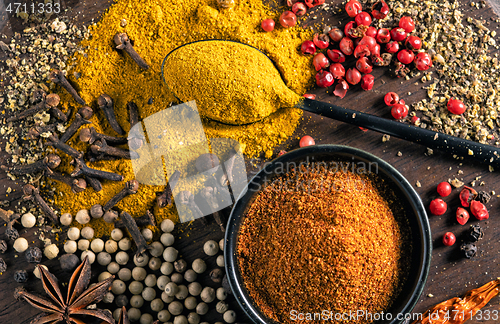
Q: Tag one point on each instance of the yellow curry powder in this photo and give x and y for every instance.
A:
(156, 28)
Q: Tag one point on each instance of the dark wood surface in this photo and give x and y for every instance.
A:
(450, 274)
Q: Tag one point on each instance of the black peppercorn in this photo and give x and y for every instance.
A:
(483, 197)
(216, 275)
(33, 254)
(3, 266)
(21, 276)
(180, 265)
(3, 246)
(469, 250)
(69, 262)
(225, 285)
(475, 233)
(17, 293)
(12, 234)
(121, 300)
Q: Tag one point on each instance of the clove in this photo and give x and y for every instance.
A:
(147, 219)
(55, 142)
(132, 228)
(122, 42)
(33, 194)
(51, 161)
(100, 146)
(110, 216)
(94, 183)
(165, 198)
(35, 131)
(90, 135)
(50, 101)
(130, 188)
(86, 112)
(58, 114)
(10, 218)
(106, 104)
(37, 96)
(77, 184)
(78, 122)
(58, 77)
(209, 194)
(82, 168)
(134, 141)
(227, 177)
(187, 198)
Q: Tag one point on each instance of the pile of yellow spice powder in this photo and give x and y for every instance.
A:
(156, 28)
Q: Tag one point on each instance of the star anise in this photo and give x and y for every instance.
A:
(72, 308)
(123, 316)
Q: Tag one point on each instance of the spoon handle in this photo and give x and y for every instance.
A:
(437, 141)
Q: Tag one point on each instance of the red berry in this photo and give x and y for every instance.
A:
(444, 189)
(288, 19)
(346, 46)
(405, 56)
(267, 25)
(376, 50)
(306, 141)
(371, 31)
(398, 34)
(364, 65)
(462, 216)
(347, 29)
(337, 70)
(367, 82)
(413, 43)
(321, 41)
(391, 98)
(341, 88)
(336, 34)
(361, 51)
(438, 207)
(336, 56)
(320, 61)
(299, 9)
(383, 35)
(363, 18)
(407, 24)
(368, 41)
(392, 47)
(353, 7)
(353, 76)
(308, 47)
(449, 239)
(399, 111)
(324, 79)
(415, 120)
(456, 106)
(479, 210)
(423, 61)
(401, 101)
(380, 10)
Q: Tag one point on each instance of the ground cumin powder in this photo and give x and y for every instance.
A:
(156, 28)
(343, 250)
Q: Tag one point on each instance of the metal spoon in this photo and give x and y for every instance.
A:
(437, 141)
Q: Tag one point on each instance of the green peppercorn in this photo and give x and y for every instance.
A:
(134, 314)
(190, 275)
(190, 303)
(182, 293)
(170, 254)
(164, 316)
(167, 239)
(104, 258)
(199, 266)
(118, 287)
(201, 308)
(167, 226)
(193, 318)
(157, 305)
(166, 268)
(166, 298)
(171, 289)
(221, 294)
(141, 260)
(221, 307)
(221, 244)
(149, 294)
(162, 282)
(175, 308)
(177, 278)
(181, 319)
(211, 248)
(156, 249)
(150, 280)
(146, 319)
(229, 316)
(139, 274)
(154, 263)
(208, 295)
(135, 287)
(136, 301)
(194, 289)
(125, 274)
(220, 261)
(113, 267)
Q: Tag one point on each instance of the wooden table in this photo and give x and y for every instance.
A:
(450, 274)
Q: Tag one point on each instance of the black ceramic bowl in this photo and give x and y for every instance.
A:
(417, 217)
